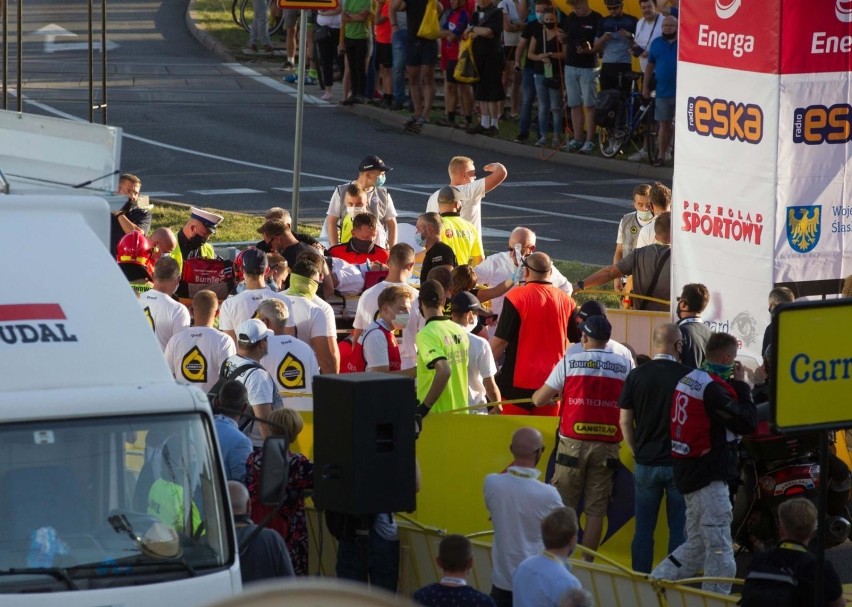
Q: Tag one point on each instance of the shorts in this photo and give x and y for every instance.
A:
(490, 85)
(291, 17)
(580, 86)
(587, 473)
(384, 55)
(664, 109)
(509, 53)
(421, 52)
(611, 76)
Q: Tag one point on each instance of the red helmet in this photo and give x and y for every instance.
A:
(238, 264)
(134, 248)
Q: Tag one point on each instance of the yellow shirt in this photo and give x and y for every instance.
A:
(462, 237)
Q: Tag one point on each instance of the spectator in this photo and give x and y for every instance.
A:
(163, 242)
(442, 356)
(421, 57)
(264, 555)
(428, 235)
(486, 28)
(326, 37)
(259, 41)
(400, 266)
(361, 247)
(399, 40)
(577, 597)
(377, 348)
(194, 236)
(660, 198)
(542, 580)
(481, 368)
(589, 385)
(471, 190)
(517, 502)
(371, 179)
(453, 24)
(580, 27)
(628, 231)
(649, 266)
(548, 53)
(615, 39)
(290, 521)
(166, 316)
(230, 405)
(777, 296)
(383, 52)
(662, 63)
(693, 299)
(785, 575)
(532, 333)
(455, 558)
(288, 360)
(588, 309)
(503, 266)
(514, 18)
(646, 403)
(312, 317)
(668, 7)
(532, 25)
(355, 20)
(707, 406)
(460, 235)
(195, 354)
(648, 29)
(131, 217)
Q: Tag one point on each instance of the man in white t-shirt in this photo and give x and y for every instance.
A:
(400, 266)
(463, 175)
(313, 317)
(263, 396)
(290, 361)
(242, 306)
(163, 312)
(648, 29)
(517, 502)
(196, 353)
(481, 368)
(660, 198)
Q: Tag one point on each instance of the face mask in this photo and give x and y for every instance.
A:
(400, 321)
(550, 26)
(419, 240)
(380, 180)
(645, 215)
(302, 286)
(539, 17)
(723, 371)
(470, 327)
(667, 36)
(195, 242)
(360, 246)
(353, 211)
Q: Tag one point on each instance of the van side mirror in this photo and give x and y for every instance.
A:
(275, 470)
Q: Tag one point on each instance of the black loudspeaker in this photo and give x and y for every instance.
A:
(364, 436)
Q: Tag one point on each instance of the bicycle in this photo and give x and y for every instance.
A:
(242, 12)
(633, 126)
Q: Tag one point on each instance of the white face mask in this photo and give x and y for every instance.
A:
(472, 325)
(645, 215)
(353, 211)
(400, 321)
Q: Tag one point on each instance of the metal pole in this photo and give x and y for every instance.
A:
(822, 528)
(300, 105)
(20, 47)
(91, 67)
(4, 17)
(103, 62)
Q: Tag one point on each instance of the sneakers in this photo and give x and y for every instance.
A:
(491, 131)
(573, 146)
(412, 124)
(640, 156)
(348, 101)
(326, 96)
(587, 148)
(445, 122)
(310, 80)
(668, 155)
(476, 129)
(520, 139)
(541, 142)
(290, 78)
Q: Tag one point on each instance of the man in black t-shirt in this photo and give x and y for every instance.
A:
(428, 236)
(694, 297)
(130, 218)
(580, 27)
(486, 29)
(645, 411)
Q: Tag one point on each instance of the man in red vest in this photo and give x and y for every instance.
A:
(589, 384)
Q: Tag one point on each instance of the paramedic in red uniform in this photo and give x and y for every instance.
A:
(361, 247)
(533, 334)
(709, 405)
(589, 384)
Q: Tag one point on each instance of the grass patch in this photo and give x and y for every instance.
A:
(214, 17)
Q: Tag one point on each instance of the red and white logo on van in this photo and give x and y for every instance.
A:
(726, 11)
(816, 36)
(33, 323)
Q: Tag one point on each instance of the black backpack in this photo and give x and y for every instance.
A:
(773, 583)
(224, 376)
(607, 107)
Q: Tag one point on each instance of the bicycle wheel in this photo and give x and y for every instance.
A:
(611, 139)
(652, 141)
(236, 9)
(274, 16)
(246, 14)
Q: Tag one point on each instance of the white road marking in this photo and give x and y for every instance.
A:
(618, 202)
(227, 191)
(53, 31)
(242, 70)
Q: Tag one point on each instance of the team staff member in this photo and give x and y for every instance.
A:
(428, 235)
(693, 299)
(196, 353)
(628, 230)
(131, 217)
(166, 316)
(533, 334)
(378, 348)
(460, 235)
(361, 247)
(708, 405)
(442, 355)
(589, 385)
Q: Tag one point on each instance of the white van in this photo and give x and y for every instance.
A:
(112, 491)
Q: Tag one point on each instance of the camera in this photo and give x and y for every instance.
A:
(636, 50)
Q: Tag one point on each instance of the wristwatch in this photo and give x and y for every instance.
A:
(580, 285)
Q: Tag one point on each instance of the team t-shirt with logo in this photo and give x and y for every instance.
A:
(196, 354)
(292, 364)
(242, 306)
(442, 339)
(165, 315)
(311, 319)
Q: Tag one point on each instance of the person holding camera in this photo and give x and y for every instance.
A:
(615, 39)
(579, 27)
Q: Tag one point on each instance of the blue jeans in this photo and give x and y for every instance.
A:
(374, 560)
(549, 100)
(399, 43)
(650, 483)
(527, 98)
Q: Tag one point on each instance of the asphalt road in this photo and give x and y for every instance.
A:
(201, 130)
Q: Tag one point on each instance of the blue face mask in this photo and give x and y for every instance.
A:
(418, 239)
(380, 180)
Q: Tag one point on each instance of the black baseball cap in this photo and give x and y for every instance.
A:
(373, 163)
(254, 261)
(591, 308)
(465, 302)
(597, 327)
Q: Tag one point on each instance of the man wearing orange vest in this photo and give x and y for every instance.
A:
(589, 384)
(533, 334)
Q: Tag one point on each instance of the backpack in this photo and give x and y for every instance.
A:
(771, 583)
(216, 275)
(224, 376)
(607, 107)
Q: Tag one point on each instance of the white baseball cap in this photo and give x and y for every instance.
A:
(252, 331)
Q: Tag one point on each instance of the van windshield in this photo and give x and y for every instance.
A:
(96, 502)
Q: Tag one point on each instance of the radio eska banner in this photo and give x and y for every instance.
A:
(746, 193)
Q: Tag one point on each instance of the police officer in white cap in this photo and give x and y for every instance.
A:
(193, 237)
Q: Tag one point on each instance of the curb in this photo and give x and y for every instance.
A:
(458, 136)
